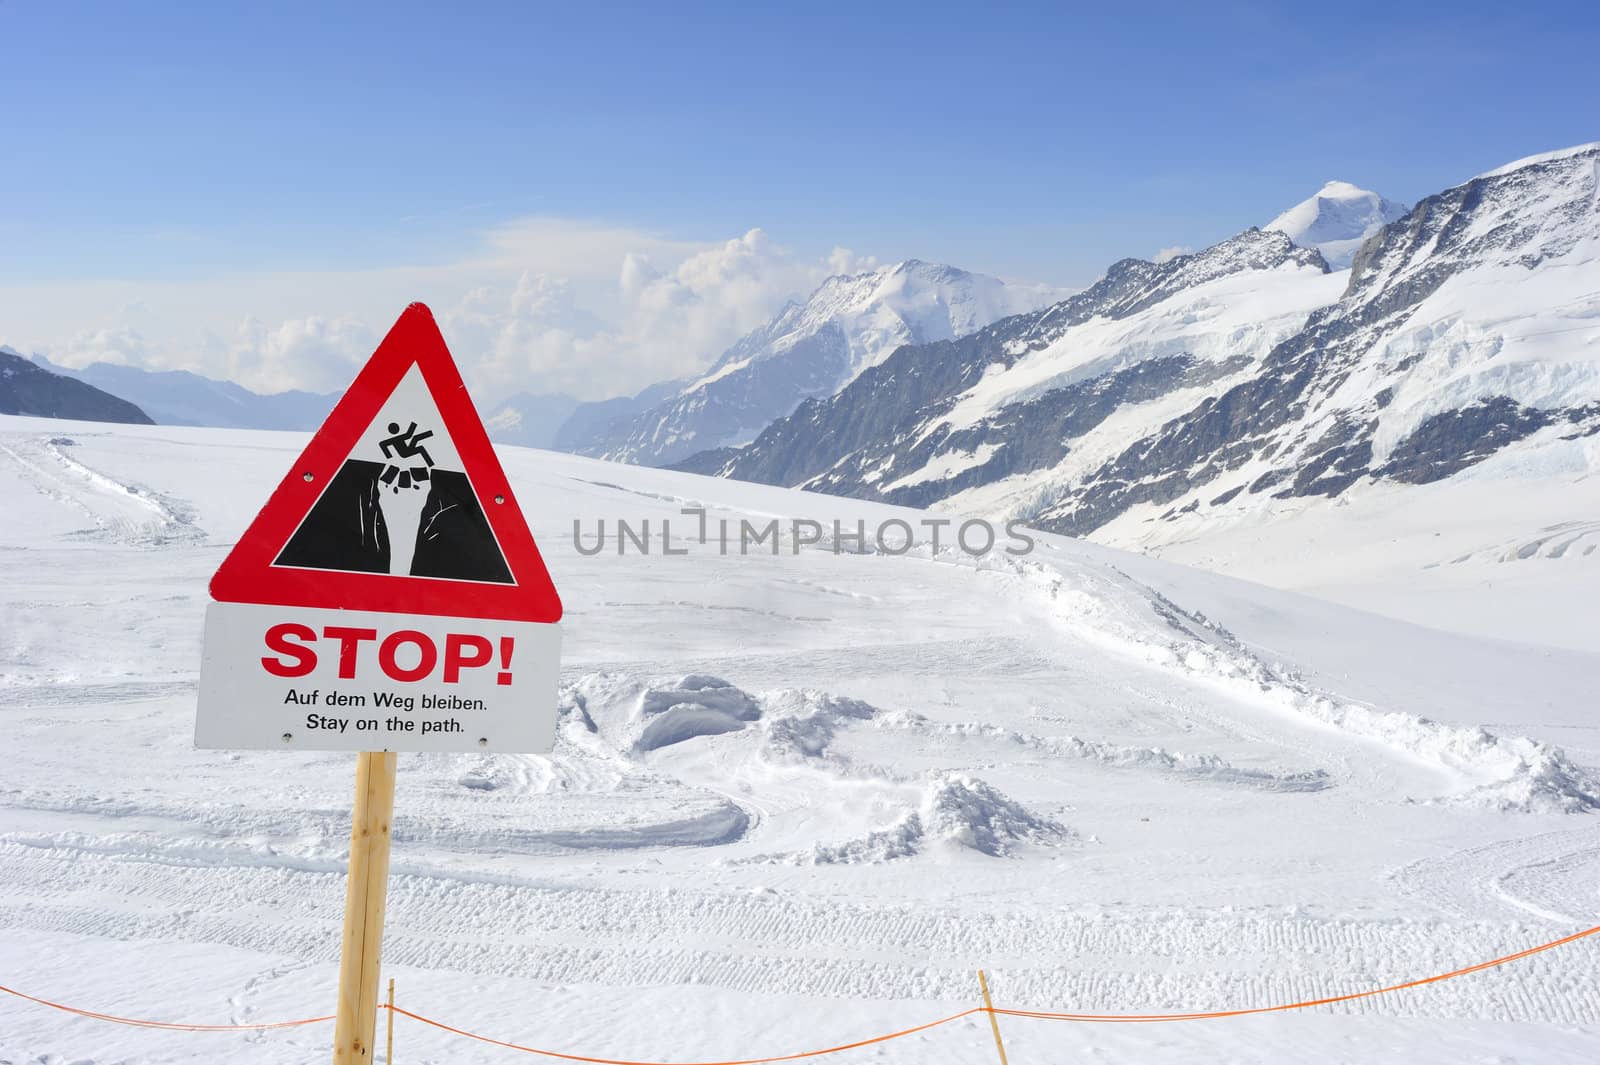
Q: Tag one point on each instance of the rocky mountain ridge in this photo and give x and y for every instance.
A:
(1232, 380)
(810, 348)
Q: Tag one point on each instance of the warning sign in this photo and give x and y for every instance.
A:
(390, 595)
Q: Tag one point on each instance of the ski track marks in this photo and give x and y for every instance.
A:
(1551, 876)
(765, 943)
(120, 513)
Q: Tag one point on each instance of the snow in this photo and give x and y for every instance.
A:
(1247, 314)
(1498, 331)
(947, 465)
(878, 311)
(815, 348)
(722, 370)
(797, 799)
(1240, 316)
(1499, 549)
(916, 302)
(1543, 157)
(1337, 220)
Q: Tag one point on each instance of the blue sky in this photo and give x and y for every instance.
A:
(200, 142)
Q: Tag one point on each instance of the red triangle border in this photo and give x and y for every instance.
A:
(247, 575)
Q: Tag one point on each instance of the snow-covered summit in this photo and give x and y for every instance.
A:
(813, 349)
(1337, 220)
(912, 302)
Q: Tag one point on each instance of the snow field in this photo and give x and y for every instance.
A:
(795, 800)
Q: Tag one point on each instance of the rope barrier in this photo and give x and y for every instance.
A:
(742, 1061)
(1116, 1018)
(166, 1025)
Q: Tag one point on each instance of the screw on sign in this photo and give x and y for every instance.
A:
(376, 604)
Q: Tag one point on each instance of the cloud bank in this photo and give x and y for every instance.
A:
(541, 305)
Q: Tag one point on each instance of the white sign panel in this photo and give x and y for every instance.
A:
(315, 679)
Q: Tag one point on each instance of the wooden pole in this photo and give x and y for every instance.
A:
(388, 1048)
(994, 1022)
(365, 894)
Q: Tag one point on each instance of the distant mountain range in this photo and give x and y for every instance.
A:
(178, 397)
(29, 389)
(1219, 384)
(1019, 396)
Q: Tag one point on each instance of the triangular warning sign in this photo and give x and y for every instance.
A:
(397, 505)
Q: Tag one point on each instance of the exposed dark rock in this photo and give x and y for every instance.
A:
(26, 388)
(1454, 440)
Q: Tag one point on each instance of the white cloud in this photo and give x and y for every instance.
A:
(1173, 252)
(120, 344)
(539, 335)
(314, 353)
(539, 305)
(845, 261)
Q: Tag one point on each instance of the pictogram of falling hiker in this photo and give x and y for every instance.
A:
(397, 512)
(406, 445)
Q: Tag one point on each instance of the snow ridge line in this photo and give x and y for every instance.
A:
(1117, 1018)
(1502, 772)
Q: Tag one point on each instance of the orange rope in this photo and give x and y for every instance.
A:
(136, 1023)
(1036, 1014)
(741, 1061)
(1153, 1017)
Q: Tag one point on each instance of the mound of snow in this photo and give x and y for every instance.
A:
(645, 715)
(1543, 779)
(633, 715)
(957, 811)
(799, 725)
(900, 840)
(967, 812)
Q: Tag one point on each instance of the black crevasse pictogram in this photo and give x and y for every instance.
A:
(347, 529)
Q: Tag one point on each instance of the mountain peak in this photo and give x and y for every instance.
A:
(1343, 190)
(1337, 220)
(813, 347)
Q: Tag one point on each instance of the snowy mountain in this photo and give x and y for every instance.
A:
(1470, 329)
(1227, 384)
(26, 388)
(178, 397)
(593, 419)
(1026, 394)
(1337, 221)
(850, 323)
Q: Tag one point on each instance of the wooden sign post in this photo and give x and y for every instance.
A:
(365, 896)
